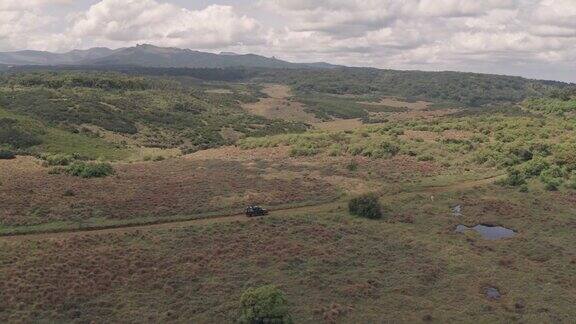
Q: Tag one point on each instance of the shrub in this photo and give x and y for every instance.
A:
(515, 178)
(7, 155)
(13, 134)
(58, 159)
(303, 150)
(554, 172)
(265, 304)
(535, 167)
(352, 166)
(551, 184)
(426, 158)
(571, 184)
(366, 206)
(90, 169)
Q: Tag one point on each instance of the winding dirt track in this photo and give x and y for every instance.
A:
(167, 224)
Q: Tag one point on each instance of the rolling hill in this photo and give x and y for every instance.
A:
(150, 56)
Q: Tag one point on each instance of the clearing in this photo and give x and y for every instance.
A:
(280, 105)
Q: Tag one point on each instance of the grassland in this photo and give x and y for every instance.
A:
(410, 267)
(88, 251)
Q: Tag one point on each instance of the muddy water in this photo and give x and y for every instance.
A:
(488, 232)
(492, 293)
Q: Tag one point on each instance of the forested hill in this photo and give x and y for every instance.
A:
(453, 88)
(468, 89)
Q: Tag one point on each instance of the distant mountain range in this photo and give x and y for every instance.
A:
(149, 56)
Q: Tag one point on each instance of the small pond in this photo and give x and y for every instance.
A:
(488, 232)
(492, 293)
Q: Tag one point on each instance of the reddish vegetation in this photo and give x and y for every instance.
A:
(162, 189)
(197, 274)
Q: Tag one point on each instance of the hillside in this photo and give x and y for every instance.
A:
(127, 111)
(468, 89)
(47, 58)
(123, 195)
(149, 56)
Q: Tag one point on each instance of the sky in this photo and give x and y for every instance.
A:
(531, 38)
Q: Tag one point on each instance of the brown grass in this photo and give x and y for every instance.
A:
(156, 189)
(398, 103)
(340, 125)
(280, 105)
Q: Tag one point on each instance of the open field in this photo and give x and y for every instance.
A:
(175, 188)
(279, 104)
(333, 267)
(160, 235)
(396, 103)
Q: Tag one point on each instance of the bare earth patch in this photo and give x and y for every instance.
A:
(413, 114)
(234, 153)
(340, 124)
(280, 105)
(219, 91)
(397, 103)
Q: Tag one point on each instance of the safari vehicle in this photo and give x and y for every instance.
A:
(254, 211)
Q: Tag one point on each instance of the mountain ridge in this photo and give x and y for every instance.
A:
(147, 55)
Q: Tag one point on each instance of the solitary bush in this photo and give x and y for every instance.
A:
(366, 206)
(7, 155)
(265, 304)
(90, 169)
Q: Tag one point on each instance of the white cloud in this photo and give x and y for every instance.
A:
(483, 35)
(23, 24)
(149, 21)
(29, 4)
(431, 34)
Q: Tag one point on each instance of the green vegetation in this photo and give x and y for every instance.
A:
(462, 89)
(7, 154)
(325, 107)
(527, 147)
(89, 169)
(58, 159)
(266, 304)
(367, 206)
(16, 135)
(551, 105)
(76, 112)
(194, 259)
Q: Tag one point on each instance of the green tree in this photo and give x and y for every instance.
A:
(266, 304)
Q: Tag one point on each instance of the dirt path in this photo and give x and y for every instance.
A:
(323, 207)
(166, 224)
(462, 185)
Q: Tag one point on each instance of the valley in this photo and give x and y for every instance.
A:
(123, 196)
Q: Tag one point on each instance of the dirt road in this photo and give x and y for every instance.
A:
(322, 207)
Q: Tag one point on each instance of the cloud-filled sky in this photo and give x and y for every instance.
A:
(532, 38)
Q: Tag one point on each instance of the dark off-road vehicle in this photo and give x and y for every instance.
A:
(254, 211)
